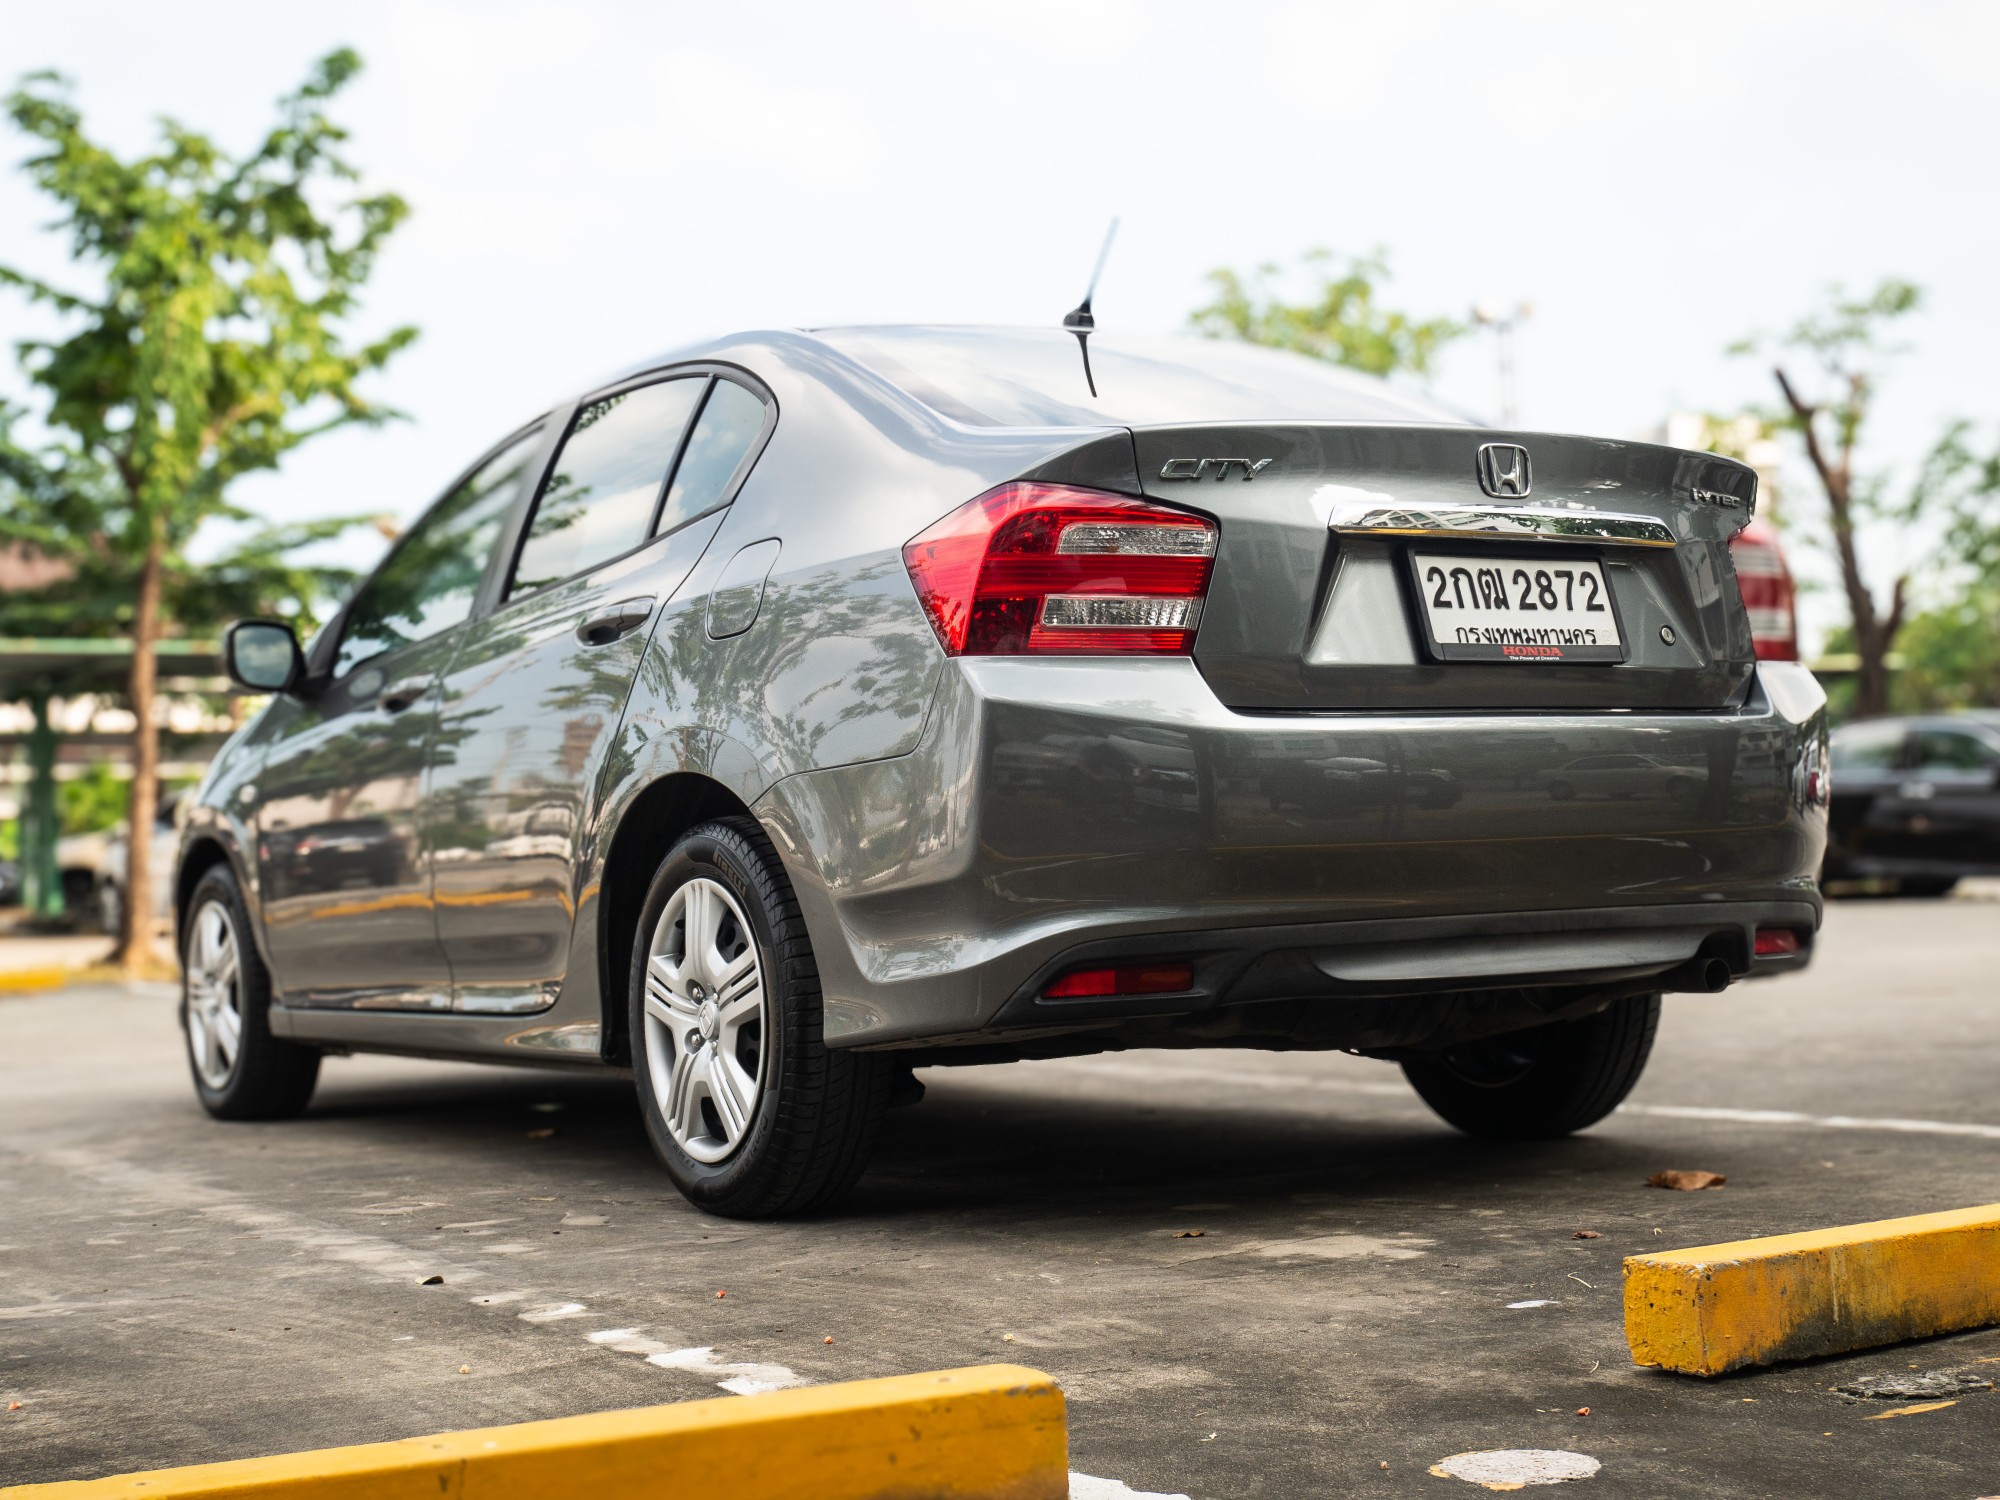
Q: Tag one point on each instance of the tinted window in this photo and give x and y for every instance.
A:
(605, 485)
(428, 583)
(1867, 747)
(1950, 750)
(1025, 377)
(730, 421)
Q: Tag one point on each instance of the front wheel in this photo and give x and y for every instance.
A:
(751, 1113)
(241, 1071)
(1544, 1082)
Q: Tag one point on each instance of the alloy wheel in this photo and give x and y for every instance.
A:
(705, 1020)
(214, 995)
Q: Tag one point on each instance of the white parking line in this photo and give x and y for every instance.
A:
(1820, 1122)
(1248, 1078)
(387, 1260)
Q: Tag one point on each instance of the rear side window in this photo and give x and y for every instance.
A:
(1951, 750)
(731, 421)
(429, 581)
(605, 486)
(1867, 747)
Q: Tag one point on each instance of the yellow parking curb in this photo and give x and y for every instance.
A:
(23, 981)
(1795, 1296)
(990, 1432)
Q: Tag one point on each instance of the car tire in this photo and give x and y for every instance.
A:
(241, 1071)
(1928, 887)
(749, 1110)
(1544, 1082)
(110, 908)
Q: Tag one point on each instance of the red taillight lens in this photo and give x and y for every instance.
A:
(1123, 979)
(1768, 595)
(1776, 942)
(1045, 568)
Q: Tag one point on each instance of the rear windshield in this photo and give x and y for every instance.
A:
(1033, 377)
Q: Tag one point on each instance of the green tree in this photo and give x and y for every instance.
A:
(60, 503)
(213, 347)
(1340, 321)
(1951, 655)
(1847, 340)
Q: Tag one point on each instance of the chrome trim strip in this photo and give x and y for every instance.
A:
(1533, 523)
(578, 1037)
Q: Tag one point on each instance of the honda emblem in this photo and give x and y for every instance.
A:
(1503, 471)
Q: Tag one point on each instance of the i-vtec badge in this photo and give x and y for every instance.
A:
(1197, 468)
(1718, 497)
(1503, 471)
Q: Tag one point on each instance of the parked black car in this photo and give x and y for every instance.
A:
(1916, 801)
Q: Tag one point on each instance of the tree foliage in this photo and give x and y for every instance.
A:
(214, 344)
(61, 504)
(1340, 320)
(1951, 655)
(1846, 344)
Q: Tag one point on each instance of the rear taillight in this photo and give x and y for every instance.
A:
(1045, 568)
(1768, 595)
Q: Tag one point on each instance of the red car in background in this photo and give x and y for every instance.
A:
(1769, 596)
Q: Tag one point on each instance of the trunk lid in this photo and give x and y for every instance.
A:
(1314, 603)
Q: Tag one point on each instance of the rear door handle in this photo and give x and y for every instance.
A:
(398, 696)
(606, 625)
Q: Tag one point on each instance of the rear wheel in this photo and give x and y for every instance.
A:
(241, 1071)
(1929, 886)
(749, 1110)
(1545, 1082)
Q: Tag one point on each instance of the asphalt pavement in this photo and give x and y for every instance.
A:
(1253, 1274)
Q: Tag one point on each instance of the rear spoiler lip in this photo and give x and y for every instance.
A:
(1483, 434)
(1415, 467)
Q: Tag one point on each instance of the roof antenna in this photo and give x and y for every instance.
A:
(1079, 320)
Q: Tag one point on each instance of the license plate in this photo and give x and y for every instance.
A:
(1484, 608)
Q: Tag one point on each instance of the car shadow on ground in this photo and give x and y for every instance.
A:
(1013, 1154)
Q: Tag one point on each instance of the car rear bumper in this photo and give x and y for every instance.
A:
(1058, 809)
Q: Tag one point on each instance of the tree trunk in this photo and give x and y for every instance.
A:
(135, 939)
(1874, 632)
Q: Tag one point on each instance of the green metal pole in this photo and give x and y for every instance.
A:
(41, 879)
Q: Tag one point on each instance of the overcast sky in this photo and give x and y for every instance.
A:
(592, 183)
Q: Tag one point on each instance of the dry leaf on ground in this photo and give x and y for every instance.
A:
(1908, 1411)
(1586, 1234)
(1686, 1182)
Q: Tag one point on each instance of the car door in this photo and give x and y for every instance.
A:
(536, 691)
(1867, 767)
(1946, 806)
(343, 869)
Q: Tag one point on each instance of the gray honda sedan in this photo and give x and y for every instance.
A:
(806, 708)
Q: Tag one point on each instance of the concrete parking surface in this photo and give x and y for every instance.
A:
(1254, 1274)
